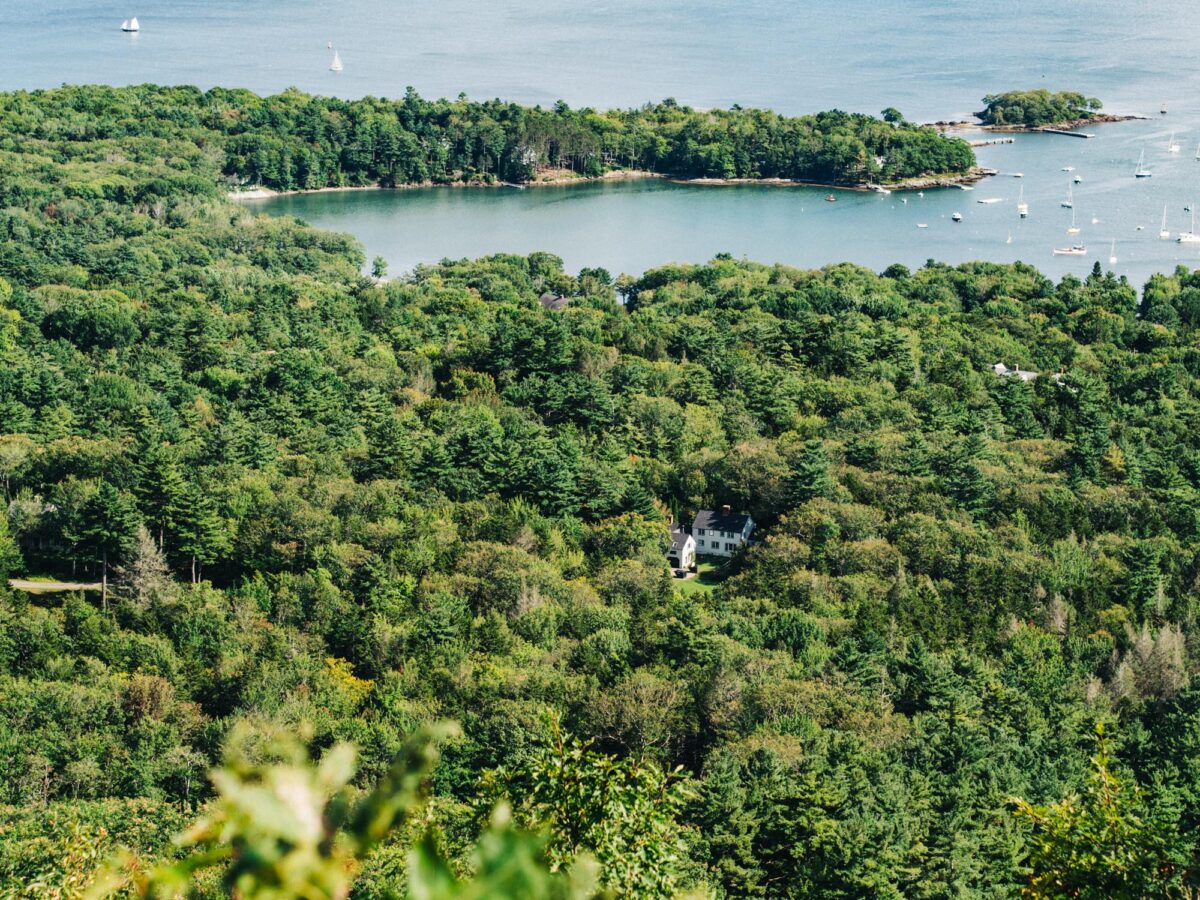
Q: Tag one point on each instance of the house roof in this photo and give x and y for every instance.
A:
(553, 301)
(1024, 374)
(719, 520)
(679, 539)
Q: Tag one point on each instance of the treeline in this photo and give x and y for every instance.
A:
(295, 141)
(349, 509)
(1036, 108)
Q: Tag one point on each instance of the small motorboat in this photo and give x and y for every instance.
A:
(1073, 250)
(957, 217)
(922, 225)
(829, 198)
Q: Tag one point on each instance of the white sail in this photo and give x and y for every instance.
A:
(336, 65)
(131, 25)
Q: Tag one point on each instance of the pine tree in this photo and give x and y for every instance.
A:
(1090, 436)
(811, 476)
(203, 535)
(145, 574)
(10, 553)
(109, 528)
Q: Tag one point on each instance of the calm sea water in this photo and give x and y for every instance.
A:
(930, 58)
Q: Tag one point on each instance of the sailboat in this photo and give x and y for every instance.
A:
(1069, 203)
(336, 65)
(1189, 237)
(1022, 206)
(1009, 241)
(1163, 233)
(1172, 147)
(1141, 171)
(1112, 254)
(131, 26)
(1073, 250)
(1074, 229)
(1197, 151)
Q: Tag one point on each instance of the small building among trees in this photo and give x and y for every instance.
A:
(721, 532)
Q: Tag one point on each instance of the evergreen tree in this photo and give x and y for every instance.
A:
(810, 478)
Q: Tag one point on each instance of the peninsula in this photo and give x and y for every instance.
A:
(295, 141)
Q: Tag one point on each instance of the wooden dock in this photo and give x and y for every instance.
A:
(1078, 134)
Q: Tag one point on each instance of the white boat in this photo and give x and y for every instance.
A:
(1074, 229)
(1112, 254)
(957, 217)
(1009, 241)
(1163, 233)
(921, 194)
(1022, 206)
(1073, 250)
(1095, 220)
(329, 45)
(1069, 203)
(1172, 147)
(131, 26)
(904, 200)
(922, 225)
(1022, 174)
(1141, 171)
(336, 65)
(965, 187)
(1189, 237)
(1068, 168)
(879, 189)
(1198, 151)
(1078, 179)
(988, 201)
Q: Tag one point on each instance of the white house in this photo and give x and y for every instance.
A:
(721, 532)
(682, 554)
(1004, 372)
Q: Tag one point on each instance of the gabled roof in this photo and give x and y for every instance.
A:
(679, 539)
(553, 301)
(718, 520)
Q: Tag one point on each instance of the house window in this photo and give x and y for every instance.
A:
(730, 547)
(700, 543)
(700, 531)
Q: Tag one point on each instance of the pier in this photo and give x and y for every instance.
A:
(988, 143)
(1078, 134)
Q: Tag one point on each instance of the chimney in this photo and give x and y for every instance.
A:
(726, 509)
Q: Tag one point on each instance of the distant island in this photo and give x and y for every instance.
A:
(298, 142)
(1039, 108)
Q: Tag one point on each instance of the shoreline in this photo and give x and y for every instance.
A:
(916, 183)
(263, 193)
(1071, 124)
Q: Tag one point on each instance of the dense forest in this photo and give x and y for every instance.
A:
(333, 512)
(1037, 108)
(295, 141)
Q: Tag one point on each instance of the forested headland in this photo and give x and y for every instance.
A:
(294, 141)
(333, 512)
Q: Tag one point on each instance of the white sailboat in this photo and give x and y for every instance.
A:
(131, 26)
(1189, 237)
(1069, 203)
(1141, 171)
(1163, 233)
(1074, 229)
(1172, 147)
(336, 65)
(1112, 254)
(1009, 241)
(1198, 151)
(1022, 206)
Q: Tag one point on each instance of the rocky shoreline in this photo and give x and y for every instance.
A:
(917, 183)
(976, 125)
